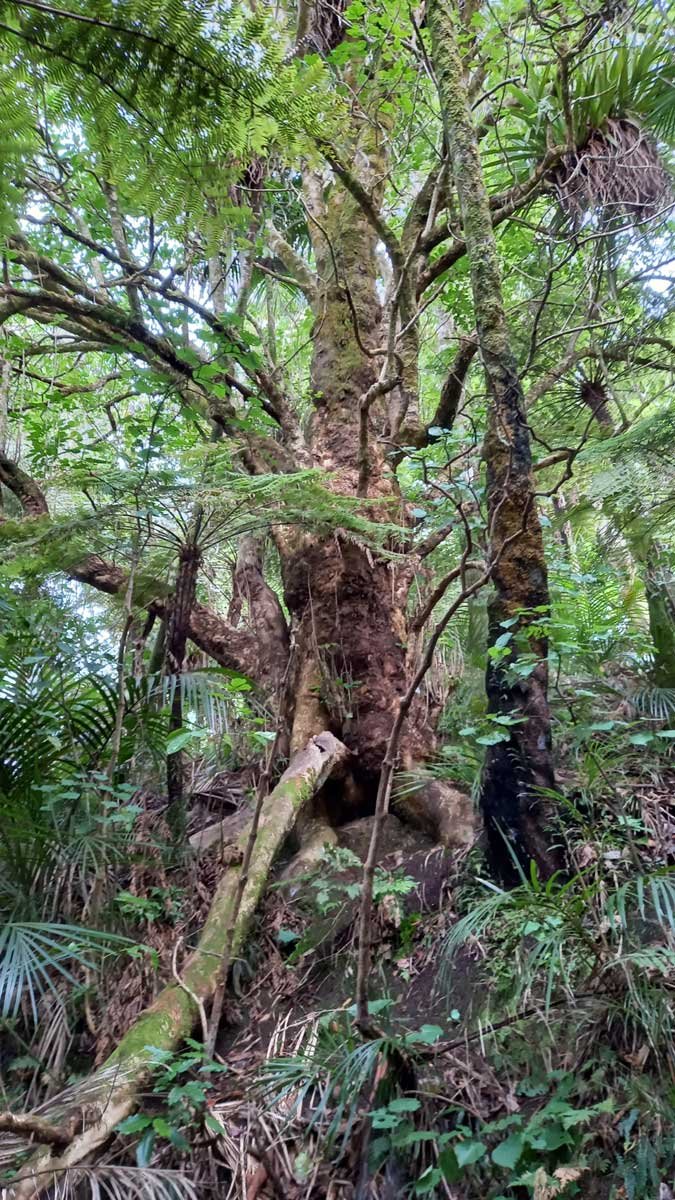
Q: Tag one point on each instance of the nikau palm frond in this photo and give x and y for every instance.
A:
(32, 955)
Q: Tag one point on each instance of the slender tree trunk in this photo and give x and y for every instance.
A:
(517, 817)
(176, 642)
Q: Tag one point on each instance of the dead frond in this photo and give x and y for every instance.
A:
(617, 172)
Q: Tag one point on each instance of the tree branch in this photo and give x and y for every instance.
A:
(365, 201)
(451, 392)
(293, 263)
(35, 1128)
(502, 206)
(260, 653)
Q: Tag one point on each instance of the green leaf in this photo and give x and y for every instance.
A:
(145, 1147)
(179, 1140)
(162, 1127)
(134, 1124)
(429, 1181)
(552, 1137)
(286, 936)
(427, 1034)
(182, 737)
(404, 1104)
(507, 1153)
(447, 1161)
(491, 739)
(467, 1153)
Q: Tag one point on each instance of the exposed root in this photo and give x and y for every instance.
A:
(441, 810)
(115, 1086)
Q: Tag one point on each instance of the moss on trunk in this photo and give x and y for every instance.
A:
(174, 1013)
(516, 816)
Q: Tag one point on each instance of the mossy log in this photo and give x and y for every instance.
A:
(172, 1016)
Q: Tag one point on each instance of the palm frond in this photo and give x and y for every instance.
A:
(326, 1080)
(34, 954)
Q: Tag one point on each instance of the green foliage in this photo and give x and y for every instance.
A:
(329, 1076)
(559, 938)
(33, 956)
(182, 1083)
(160, 91)
(633, 80)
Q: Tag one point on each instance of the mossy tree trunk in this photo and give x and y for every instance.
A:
(516, 815)
(348, 605)
(173, 1014)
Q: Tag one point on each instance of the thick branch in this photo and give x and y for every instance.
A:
(25, 489)
(293, 263)
(451, 392)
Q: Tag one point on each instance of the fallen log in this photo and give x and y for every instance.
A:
(173, 1014)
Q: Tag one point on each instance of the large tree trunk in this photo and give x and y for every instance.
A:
(516, 815)
(348, 605)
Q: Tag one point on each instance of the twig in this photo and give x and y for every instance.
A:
(199, 1004)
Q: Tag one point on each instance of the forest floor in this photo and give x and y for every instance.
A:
(270, 1129)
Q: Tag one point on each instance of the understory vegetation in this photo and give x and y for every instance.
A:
(337, 600)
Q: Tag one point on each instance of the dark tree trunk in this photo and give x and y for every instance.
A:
(176, 642)
(517, 817)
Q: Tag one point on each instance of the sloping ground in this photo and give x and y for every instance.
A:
(576, 1091)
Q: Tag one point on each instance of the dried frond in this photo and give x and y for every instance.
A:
(617, 172)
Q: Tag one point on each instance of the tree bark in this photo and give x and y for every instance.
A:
(517, 817)
(176, 642)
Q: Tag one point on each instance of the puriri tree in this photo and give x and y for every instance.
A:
(271, 280)
(322, 332)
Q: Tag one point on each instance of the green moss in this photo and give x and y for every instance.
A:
(173, 1014)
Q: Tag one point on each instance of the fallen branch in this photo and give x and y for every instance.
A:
(28, 1125)
(171, 1017)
